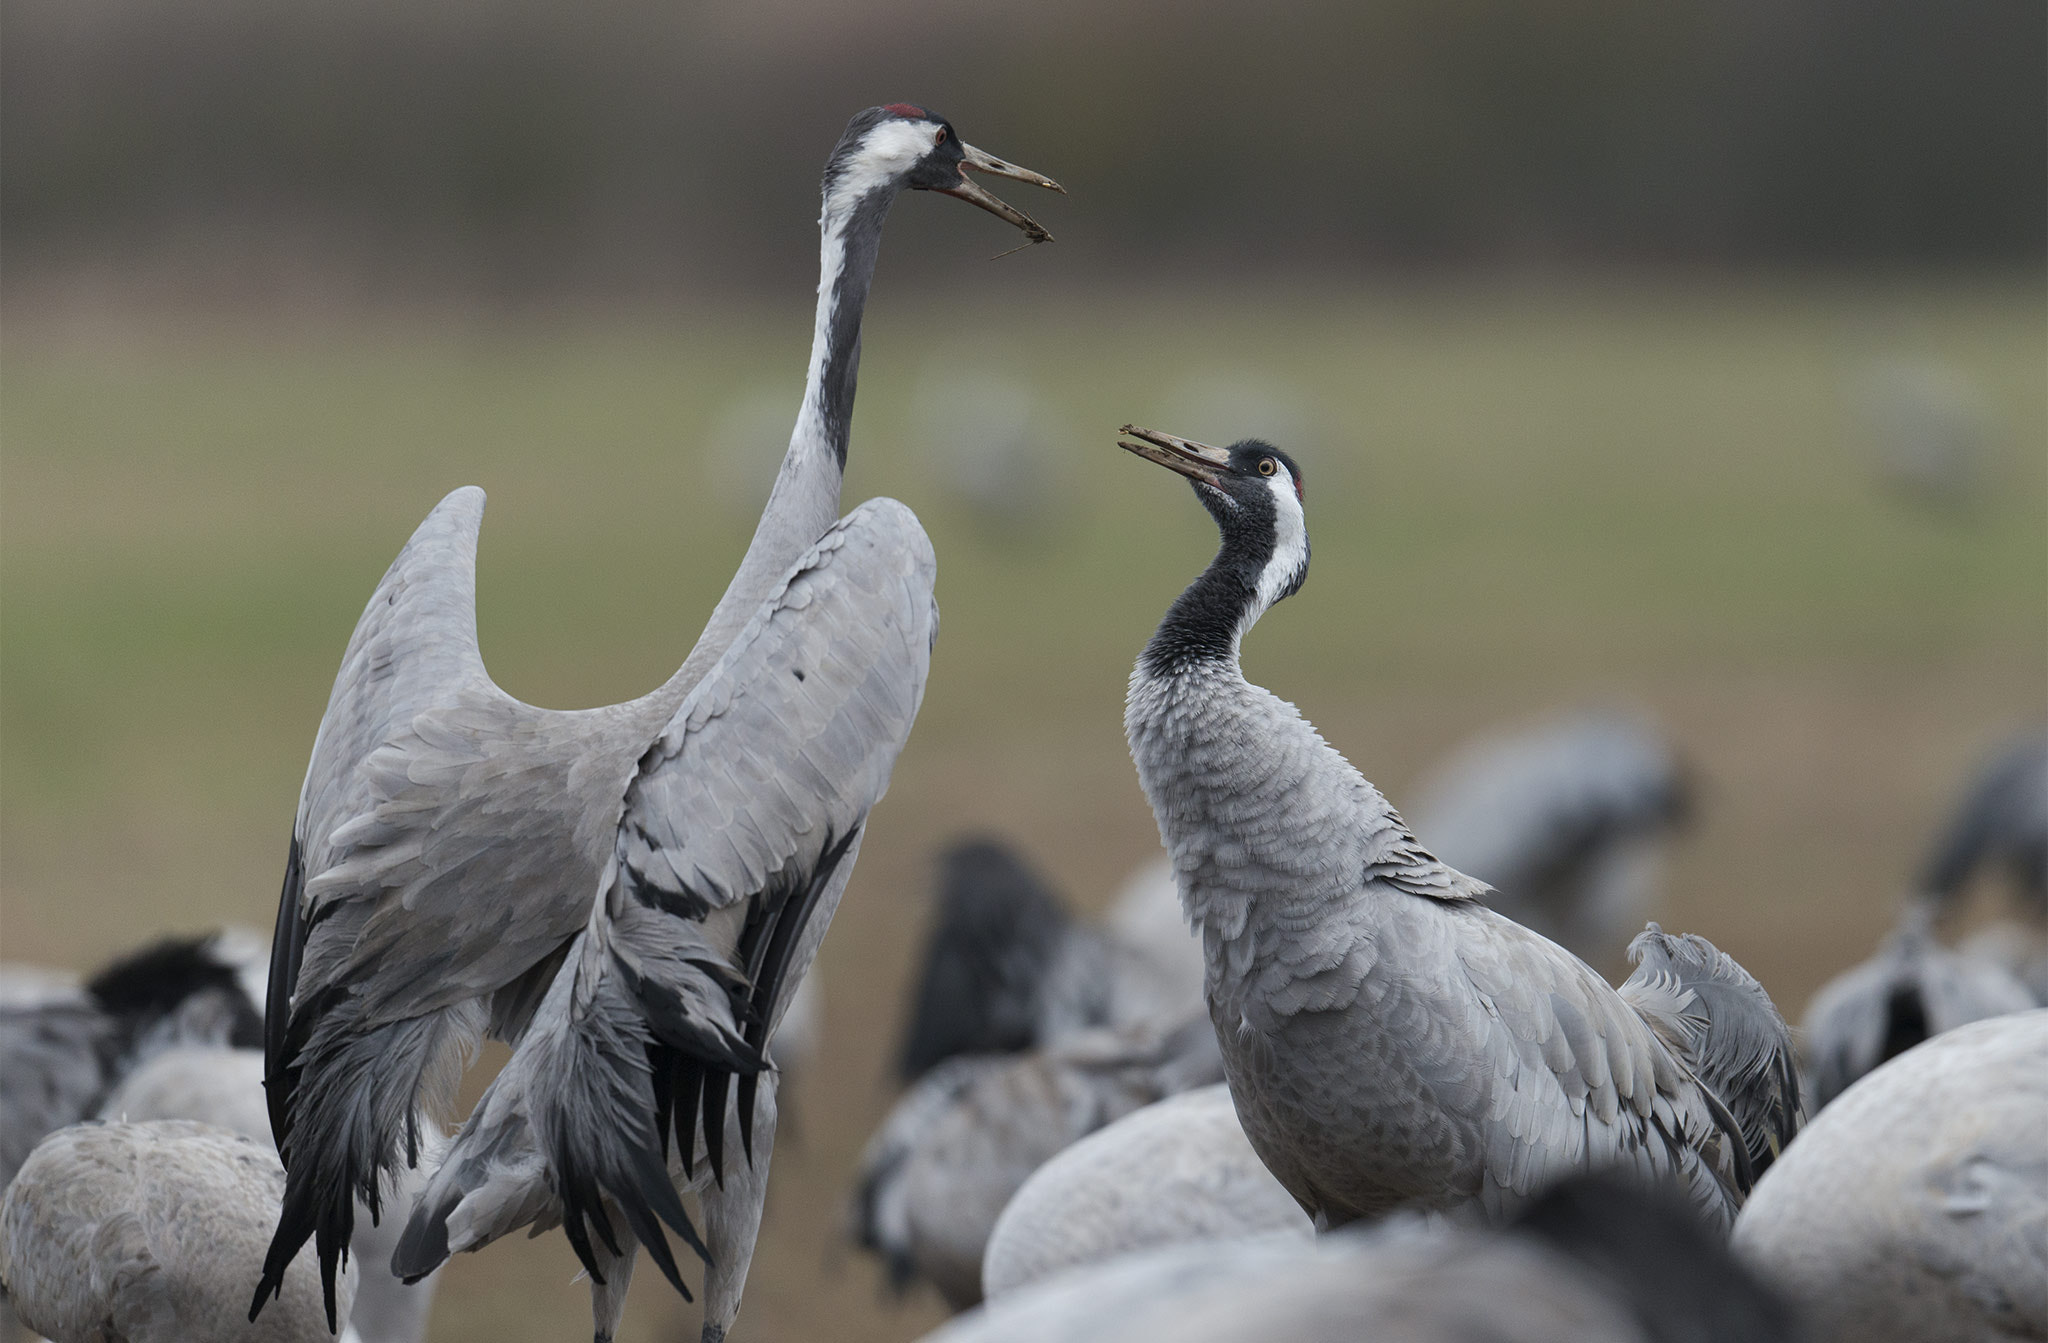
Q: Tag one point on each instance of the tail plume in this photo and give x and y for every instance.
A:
(1718, 1019)
(355, 1095)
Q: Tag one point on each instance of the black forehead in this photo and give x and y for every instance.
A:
(1245, 454)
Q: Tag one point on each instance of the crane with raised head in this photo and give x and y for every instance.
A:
(635, 889)
(1389, 1040)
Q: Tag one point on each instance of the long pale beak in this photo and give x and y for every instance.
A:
(1196, 461)
(972, 159)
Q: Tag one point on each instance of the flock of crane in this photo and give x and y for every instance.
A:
(1370, 1098)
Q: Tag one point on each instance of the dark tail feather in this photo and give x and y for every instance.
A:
(743, 1100)
(714, 1122)
(354, 1092)
(686, 1088)
(604, 1097)
(329, 1226)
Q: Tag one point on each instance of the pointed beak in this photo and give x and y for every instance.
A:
(1196, 461)
(974, 160)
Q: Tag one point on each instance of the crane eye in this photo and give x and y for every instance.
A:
(1267, 466)
(940, 138)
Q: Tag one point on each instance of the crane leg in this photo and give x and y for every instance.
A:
(608, 1302)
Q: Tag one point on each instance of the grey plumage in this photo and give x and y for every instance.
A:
(151, 1233)
(1597, 1260)
(720, 890)
(1390, 1041)
(224, 1088)
(1915, 1206)
(1725, 1028)
(959, 1143)
(1175, 1171)
(463, 863)
(1911, 989)
(1566, 820)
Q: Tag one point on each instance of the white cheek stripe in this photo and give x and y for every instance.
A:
(1290, 543)
(889, 149)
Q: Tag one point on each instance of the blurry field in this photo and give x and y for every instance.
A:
(1518, 502)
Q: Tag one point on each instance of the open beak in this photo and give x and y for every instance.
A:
(1196, 461)
(975, 160)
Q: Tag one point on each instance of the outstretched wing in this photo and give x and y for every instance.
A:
(433, 845)
(738, 835)
(415, 642)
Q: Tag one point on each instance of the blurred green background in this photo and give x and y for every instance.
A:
(1687, 356)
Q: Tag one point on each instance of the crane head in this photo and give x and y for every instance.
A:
(904, 145)
(1255, 493)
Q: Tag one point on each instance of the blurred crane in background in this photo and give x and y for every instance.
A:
(1007, 968)
(1567, 820)
(151, 1233)
(1175, 1171)
(1028, 1030)
(1915, 1206)
(2001, 824)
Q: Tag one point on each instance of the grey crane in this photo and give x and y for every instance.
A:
(1566, 819)
(1390, 1040)
(1178, 1170)
(2002, 822)
(224, 1088)
(61, 1053)
(1911, 989)
(1596, 1259)
(954, 1149)
(452, 843)
(1007, 968)
(150, 1233)
(1916, 1205)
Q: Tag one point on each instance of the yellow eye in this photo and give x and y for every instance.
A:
(1267, 466)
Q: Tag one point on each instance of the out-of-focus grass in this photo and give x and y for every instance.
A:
(1518, 502)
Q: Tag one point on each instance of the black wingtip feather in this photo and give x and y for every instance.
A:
(743, 1101)
(714, 1122)
(686, 1088)
(287, 951)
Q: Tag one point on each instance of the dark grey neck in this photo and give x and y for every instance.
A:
(1204, 622)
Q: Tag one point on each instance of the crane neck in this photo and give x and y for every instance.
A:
(1256, 566)
(1205, 624)
(849, 239)
(805, 499)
